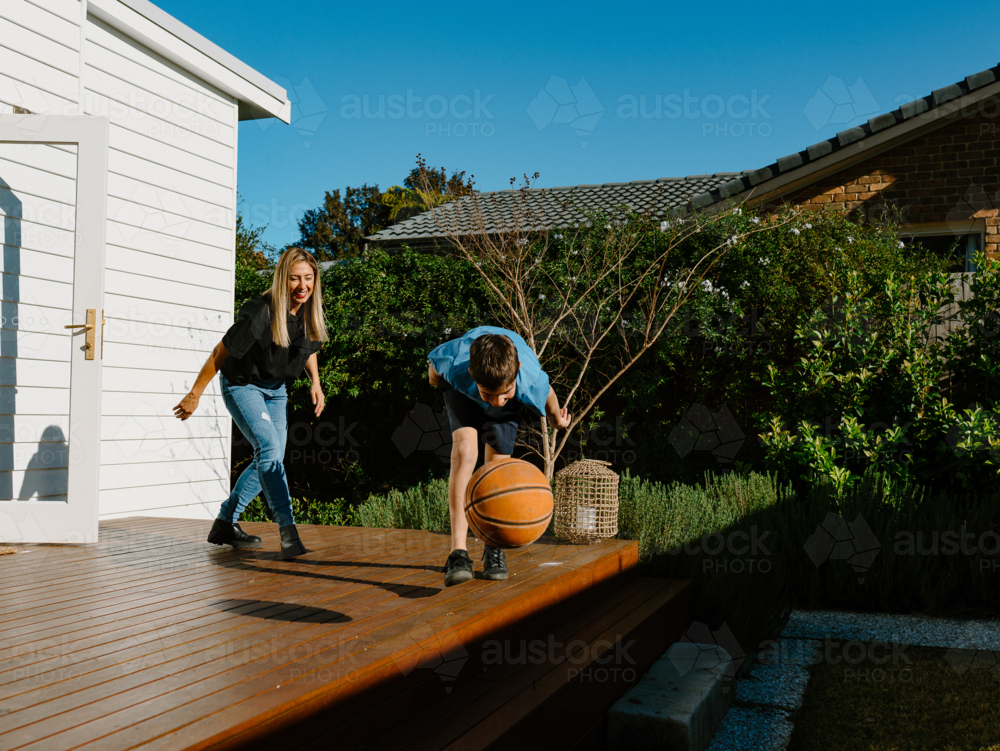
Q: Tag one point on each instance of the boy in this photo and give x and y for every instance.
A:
(491, 381)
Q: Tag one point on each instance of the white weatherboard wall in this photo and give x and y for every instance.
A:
(169, 254)
(36, 231)
(40, 55)
(169, 282)
(39, 71)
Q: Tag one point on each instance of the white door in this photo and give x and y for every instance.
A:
(53, 188)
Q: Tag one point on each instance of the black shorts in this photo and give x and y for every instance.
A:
(498, 432)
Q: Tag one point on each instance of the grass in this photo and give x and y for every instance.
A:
(924, 704)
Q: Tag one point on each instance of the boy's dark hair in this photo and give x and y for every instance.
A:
(493, 361)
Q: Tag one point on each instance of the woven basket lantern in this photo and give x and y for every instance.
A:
(586, 502)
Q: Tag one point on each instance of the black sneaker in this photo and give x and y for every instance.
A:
(494, 563)
(458, 568)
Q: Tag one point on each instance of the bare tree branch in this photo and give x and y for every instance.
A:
(631, 266)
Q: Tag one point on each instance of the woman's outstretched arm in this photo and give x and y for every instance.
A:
(186, 407)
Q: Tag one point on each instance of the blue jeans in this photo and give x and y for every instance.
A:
(260, 411)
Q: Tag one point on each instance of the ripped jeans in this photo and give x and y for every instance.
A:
(260, 411)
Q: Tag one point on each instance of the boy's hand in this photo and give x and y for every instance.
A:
(316, 393)
(433, 376)
(562, 420)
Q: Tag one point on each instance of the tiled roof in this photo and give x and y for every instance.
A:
(744, 181)
(554, 207)
(560, 207)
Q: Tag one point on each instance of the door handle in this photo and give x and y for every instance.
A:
(91, 328)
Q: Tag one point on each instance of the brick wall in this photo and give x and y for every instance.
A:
(948, 175)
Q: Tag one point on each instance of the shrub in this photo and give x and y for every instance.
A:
(755, 548)
(424, 506)
(917, 558)
(306, 511)
(699, 532)
(663, 517)
(744, 322)
(871, 388)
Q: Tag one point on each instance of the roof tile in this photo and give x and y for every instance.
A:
(757, 176)
(881, 122)
(851, 135)
(791, 161)
(732, 187)
(980, 79)
(819, 149)
(557, 207)
(698, 191)
(701, 200)
(914, 108)
(946, 94)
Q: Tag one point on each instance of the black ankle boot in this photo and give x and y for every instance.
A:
(291, 545)
(224, 533)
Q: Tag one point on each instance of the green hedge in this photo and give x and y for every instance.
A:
(756, 317)
(755, 549)
(423, 506)
(662, 517)
(337, 513)
(742, 538)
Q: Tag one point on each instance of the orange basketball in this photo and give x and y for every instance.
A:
(508, 503)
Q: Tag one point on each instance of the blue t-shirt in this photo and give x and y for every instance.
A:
(451, 361)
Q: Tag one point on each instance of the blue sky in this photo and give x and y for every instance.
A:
(579, 92)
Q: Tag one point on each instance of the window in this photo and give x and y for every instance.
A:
(957, 249)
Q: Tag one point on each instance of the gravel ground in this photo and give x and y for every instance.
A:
(915, 630)
(760, 717)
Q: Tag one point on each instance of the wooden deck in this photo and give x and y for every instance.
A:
(153, 638)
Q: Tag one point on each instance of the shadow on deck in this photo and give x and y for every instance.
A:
(153, 638)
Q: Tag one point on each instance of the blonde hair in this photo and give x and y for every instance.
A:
(280, 299)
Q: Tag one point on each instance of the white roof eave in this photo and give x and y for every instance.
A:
(258, 96)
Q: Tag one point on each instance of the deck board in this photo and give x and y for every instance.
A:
(153, 638)
(482, 696)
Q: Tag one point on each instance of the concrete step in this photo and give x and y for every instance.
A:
(677, 705)
(549, 684)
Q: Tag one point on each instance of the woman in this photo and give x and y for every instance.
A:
(274, 337)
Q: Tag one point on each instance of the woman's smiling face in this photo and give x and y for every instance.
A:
(300, 283)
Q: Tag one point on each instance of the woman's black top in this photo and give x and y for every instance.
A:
(254, 356)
